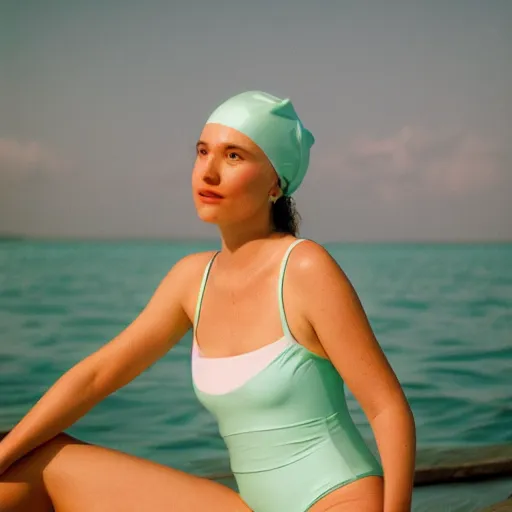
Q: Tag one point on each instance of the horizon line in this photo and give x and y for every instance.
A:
(8, 237)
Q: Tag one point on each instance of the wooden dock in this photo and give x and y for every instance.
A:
(502, 506)
(439, 466)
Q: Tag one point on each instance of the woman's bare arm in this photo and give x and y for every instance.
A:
(333, 309)
(161, 324)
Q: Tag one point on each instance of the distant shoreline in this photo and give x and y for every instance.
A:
(183, 240)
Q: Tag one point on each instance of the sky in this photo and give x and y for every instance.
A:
(410, 103)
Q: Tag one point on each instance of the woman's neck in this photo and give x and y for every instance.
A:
(241, 244)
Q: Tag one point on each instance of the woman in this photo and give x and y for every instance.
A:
(280, 404)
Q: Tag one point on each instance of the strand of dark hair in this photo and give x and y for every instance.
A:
(285, 217)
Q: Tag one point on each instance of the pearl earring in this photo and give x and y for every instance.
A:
(274, 199)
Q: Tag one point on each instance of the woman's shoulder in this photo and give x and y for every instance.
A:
(184, 279)
(193, 264)
(310, 262)
(310, 255)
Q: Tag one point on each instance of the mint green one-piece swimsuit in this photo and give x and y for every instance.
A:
(290, 436)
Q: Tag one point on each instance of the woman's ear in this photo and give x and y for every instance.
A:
(275, 194)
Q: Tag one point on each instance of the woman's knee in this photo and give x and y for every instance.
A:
(32, 465)
(48, 454)
(22, 485)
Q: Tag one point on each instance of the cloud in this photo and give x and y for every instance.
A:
(21, 159)
(416, 160)
(473, 164)
(396, 154)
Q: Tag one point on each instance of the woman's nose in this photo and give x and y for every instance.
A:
(211, 171)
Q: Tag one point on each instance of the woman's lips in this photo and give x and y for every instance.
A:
(209, 197)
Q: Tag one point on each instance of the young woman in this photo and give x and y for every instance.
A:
(278, 329)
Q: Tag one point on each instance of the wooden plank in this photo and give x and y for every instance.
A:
(502, 506)
(463, 464)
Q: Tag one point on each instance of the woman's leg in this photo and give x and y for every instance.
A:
(69, 475)
(364, 494)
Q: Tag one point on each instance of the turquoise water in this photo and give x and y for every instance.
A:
(443, 314)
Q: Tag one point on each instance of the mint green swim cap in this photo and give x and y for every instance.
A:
(273, 125)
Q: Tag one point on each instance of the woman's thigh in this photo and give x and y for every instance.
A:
(81, 477)
(365, 494)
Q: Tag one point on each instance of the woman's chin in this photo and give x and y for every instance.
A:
(208, 215)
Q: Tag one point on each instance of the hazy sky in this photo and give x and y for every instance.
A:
(101, 103)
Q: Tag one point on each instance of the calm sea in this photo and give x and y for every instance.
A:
(442, 313)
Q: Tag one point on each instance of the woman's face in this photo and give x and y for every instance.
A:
(232, 177)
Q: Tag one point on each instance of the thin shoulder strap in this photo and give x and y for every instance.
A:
(201, 290)
(284, 322)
